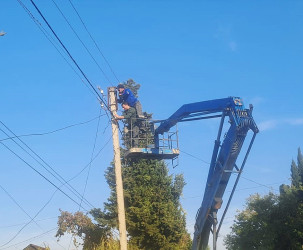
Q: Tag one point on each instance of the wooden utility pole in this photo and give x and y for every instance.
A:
(119, 184)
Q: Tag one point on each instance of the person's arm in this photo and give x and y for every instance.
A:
(118, 117)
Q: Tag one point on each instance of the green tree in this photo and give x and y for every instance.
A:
(133, 86)
(297, 170)
(154, 216)
(272, 222)
(252, 228)
(81, 226)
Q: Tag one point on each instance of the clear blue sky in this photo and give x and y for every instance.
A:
(180, 52)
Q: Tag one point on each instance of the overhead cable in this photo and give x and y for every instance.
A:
(44, 177)
(56, 175)
(53, 131)
(32, 219)
(69, 54)
(51, 40)
(35, 237)
(87, 50)
(94, 41)
(87, 165)
(93, 151)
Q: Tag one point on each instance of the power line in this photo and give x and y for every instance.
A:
(258, 183)
(50, 38)
(53, 131)
(194, 157)
(47, 232)
(58, 188)
(75, 176)
(81, 42)
(56, 175)
(96, 135)
(14, 200)
(39, 173)
(94, 41)
(69, 54)
(32, 218)
(92, 89)
(20, 224)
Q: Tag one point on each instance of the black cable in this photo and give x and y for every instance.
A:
(32, 218)
(40, 174)
(49, 38)
(82, 42)
(32, 238)
(258, 183)
(69, 54)
(89, 164)
(53, 131)
(75, 176)
(21, 224)
(94, 41)
(100, 99)
(14, 200)
(57, 177)
(194, 157)
(96, 136)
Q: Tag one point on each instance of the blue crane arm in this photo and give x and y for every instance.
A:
(200, 109)
(224, 155)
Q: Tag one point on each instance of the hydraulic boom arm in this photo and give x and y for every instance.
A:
(224, 155)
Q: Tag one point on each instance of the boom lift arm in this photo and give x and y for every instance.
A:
(223, 159)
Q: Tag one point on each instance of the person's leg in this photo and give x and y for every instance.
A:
(138, 108)
(135, 136)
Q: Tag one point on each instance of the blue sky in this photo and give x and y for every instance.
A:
(180, 52)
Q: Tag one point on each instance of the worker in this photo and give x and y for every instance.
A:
(126, 95)
(130, 119)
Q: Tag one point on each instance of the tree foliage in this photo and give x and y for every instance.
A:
(272, 222)
(297, 170)
(154, 216)
(81, 226)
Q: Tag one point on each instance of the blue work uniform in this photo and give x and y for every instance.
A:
(128, 96)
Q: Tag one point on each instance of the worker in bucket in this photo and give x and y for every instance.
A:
(131, 128)
(126, 95)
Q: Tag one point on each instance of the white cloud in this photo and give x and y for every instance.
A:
(267, 125)
(257, 100)
(295, 121)
(271, 124)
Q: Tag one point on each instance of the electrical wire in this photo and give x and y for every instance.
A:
(53, 131)
(258, 183)
(75, 176)
(194, 157)
(21, 224)
(96, 136)
(94, 41)
(56, 175)
(14, 200)
(44, 177)
(35, 237)
(51, 40)
(87, 50)
(69, 54)
(92, 89)
(32, 219)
